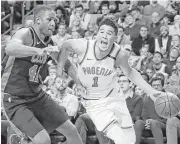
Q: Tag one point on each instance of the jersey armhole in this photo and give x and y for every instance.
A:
(32, 35)
(87, 47)
(116, 57)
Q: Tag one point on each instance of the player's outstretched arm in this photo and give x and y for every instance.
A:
(20, 44)
(72, 45)
(132, 74)
(71, 70)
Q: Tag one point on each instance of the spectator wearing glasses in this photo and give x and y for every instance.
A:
(142, 40)
(134, 102)
(122, 38)
(151, 121)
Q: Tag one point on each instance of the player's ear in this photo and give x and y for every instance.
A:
(38, 20)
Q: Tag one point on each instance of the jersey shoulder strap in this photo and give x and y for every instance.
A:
(113, 54)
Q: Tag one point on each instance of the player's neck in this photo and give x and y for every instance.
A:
(39, 33)
(101, 54)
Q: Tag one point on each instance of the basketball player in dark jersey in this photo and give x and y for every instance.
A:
(30, 109)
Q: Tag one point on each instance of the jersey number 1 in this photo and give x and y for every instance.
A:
(95, 84)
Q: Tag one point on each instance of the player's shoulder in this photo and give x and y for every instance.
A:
(22, 32)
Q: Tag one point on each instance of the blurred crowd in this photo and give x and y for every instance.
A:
(149, 31)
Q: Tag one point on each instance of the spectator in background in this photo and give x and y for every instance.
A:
(144, 60)
(154, 28)
(154, 7)
(122, 38)
(62, 16)
(104, 8)
(134, 102)
(62, 34)
(91, 30)
(166, 21)
(175, 41)
(150, 72)
(175, 29)
(174, 81)
(76, 26)
(79, 14)
(151, 121)
(143, 39)
(158, 64)
(171, 60)
(133, 28)
(75, 35)
(163, 42)
(139, 18)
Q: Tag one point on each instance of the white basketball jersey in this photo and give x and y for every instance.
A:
(98, 76)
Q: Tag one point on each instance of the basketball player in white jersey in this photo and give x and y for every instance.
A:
(98, 60)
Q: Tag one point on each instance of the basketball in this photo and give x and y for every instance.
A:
(167, 105)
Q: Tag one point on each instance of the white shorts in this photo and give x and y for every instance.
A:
(106, 111)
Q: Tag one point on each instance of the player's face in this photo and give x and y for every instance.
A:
(47, 23)
(164, 33)
(157, 85)
(155, 18)
(105, 37)
(124, 83)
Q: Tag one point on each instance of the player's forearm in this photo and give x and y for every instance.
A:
(20, 50)
(72, 72)
(62, 58)
(137, 79)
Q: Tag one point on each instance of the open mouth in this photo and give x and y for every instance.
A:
(104, 43)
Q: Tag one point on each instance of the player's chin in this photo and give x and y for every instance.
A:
(103, 48)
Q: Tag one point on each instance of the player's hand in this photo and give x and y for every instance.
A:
(80, 90)
(50, 49)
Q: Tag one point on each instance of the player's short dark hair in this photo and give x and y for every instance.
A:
(159, 54)
(157, 79)
(78, 6)
(41, 9)
(110, 22)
